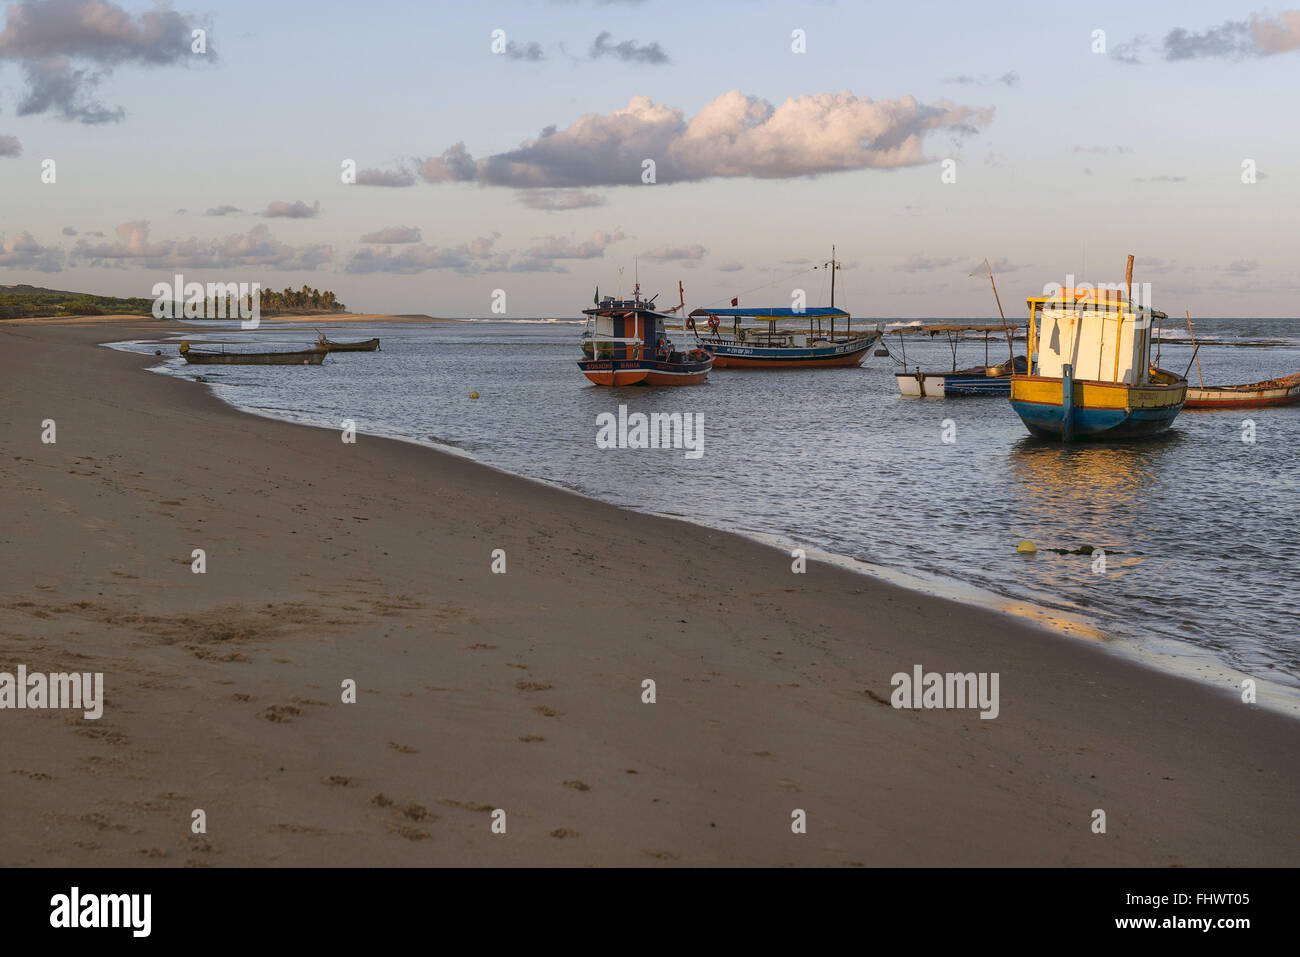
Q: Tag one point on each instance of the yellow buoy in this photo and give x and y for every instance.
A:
(1027, 548)
(473, 395)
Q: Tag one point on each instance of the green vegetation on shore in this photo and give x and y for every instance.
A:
(31, 302)
(27, 302)
(305, 299)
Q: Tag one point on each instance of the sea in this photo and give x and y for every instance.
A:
(1198, 527)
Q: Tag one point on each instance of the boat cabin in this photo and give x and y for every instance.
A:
(1101, 334)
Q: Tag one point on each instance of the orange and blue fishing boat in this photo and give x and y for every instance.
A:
(1090, 374)
(628, 345)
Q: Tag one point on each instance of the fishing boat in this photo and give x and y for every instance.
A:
(309, 357)
(366, 345)
(1090, 373)
(986, 379)
(753, 341)
(625, 343)
(1255, 395)
(1284, 390)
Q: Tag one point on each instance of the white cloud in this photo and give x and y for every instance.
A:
(257, 247)
(732, 136)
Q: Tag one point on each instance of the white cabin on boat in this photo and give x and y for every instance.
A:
(1101, 334)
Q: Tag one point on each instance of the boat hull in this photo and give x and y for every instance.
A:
(369, 345)
(623, 372)
(1099, 410)
(944, 385)
(1258, 395)
(312, 358)
(730, 355)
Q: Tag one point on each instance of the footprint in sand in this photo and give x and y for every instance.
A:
(403, 748)
(279, 713)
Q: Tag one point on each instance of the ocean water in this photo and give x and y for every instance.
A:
(1200, 527)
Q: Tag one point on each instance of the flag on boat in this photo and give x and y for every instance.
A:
(735, 302)
(595, 300)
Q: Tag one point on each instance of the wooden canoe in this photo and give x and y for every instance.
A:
(367, 345)
(1255, 395)
(310, 357)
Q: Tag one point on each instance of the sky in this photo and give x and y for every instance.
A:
(502, 148)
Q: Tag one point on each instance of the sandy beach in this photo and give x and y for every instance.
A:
(523, 691)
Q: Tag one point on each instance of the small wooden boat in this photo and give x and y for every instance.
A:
(1091, 373)
(366, 345)
(309, 357)
(1256, 395)
(629, 346)
(978, 380)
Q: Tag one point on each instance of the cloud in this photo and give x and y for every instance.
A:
(564, 247)
(393, 235)
(380, 177)
(532, 51)
(454, 165)
(1263, 35)
(730, 267)
(919, 263)
(69, 231)
(558, 199)
(67, 47)
(295, 210)
(24, 252)
(627, 51)
(223, 210)
(466, 257)
(1010, 78)
(732, 136)
(1231, 39)
(1129, 51)
(1102, 150)
(1242, 266)
(694, 252)
(257, 247)
(482, 256)
(1162, 178)
(1279, 34)
(9, 146)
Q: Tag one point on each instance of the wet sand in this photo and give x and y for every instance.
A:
(523, 691)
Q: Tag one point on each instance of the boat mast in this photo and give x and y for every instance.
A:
(1011, 351)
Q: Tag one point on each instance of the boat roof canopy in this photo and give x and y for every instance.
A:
(775, 312)
(958, 327)
(1106, 297)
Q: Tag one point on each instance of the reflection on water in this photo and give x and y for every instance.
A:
(1199, 528)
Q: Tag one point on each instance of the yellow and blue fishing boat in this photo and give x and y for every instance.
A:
(1090, 374)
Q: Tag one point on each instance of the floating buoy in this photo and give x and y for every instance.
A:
(1027, 548)
(473, 395)
(157, 352)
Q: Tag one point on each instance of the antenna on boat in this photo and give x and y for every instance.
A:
(620, 282)
(636, 271)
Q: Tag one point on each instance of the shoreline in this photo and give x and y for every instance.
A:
(522, 691)
(1165, 655)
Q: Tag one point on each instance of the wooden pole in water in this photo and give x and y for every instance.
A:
(1196, 349)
